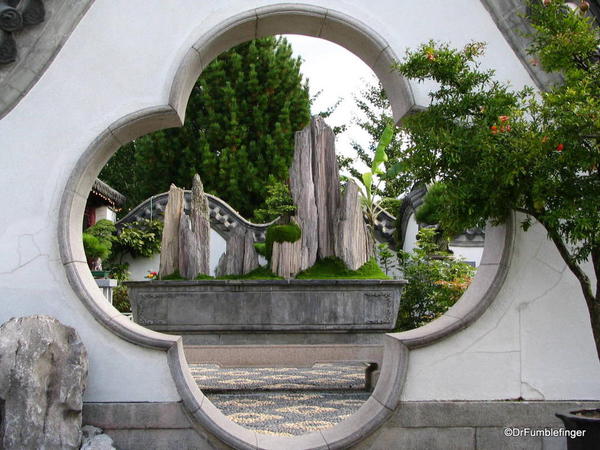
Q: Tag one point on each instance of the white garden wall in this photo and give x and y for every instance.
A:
(533, 342)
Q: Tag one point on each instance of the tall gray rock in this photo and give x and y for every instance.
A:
(169, 250)
(326, 179)
(303, 193)
(194, 234)
(43, 369)
(354, 244)
(240, 256)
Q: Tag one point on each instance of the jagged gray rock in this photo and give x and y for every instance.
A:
(303, 193)
(194, 234)
(169, 250)
(43, 369)
(93, 438)
(354, 244)
(240, 256)
(326, 180)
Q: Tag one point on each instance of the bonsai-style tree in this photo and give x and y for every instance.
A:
(497, 150)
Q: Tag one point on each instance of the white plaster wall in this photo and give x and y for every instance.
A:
(469, 254)
(534, 342)
(410, 235)
(104, 212)
(118, 62)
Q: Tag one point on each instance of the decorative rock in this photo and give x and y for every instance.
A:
(43, 368)
(194, 234)
(327, 184)
(94, 439)
(303, 193)
(169, 251)
(240, 257)
(354, 244)
(286, 258)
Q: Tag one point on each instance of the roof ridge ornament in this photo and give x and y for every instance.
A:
(14, 16)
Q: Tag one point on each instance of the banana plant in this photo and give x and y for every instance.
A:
(372, 179)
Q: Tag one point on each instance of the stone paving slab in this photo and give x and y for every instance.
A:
(319, 377)
(289, 413)
(285, 401)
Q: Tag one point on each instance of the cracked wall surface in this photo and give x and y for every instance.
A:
(533, 343)
(533, 337)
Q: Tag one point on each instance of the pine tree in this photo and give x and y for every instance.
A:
(239, 130)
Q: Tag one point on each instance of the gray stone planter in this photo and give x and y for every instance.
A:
(246, 306)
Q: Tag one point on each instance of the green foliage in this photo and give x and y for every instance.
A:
(94, 248)
(121, 299)
(387, 258)
(104, 230)
(375, 115)
(435, 282)
(139, 238)
(281, 233)
(173, 276)
(391, 205)
(261, 248)
(202, 276)
(120, 272)
(371, 180)
(279, 202)
(334, 268)
(429, 212)
(239, 129)
(98, 240)
(497, 149)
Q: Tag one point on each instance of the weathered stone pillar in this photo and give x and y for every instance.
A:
(240, 257)
(43, 369)
(194, 234)
(354, 243)
(303, 193)
(327, 184)
(169, 250)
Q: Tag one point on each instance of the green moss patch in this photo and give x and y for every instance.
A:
(334, 268)
(281, 233)
(260, 273)
(174, 276)
(261, 248)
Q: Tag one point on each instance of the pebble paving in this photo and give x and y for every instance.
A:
(285, 401)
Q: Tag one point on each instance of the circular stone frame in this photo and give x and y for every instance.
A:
(373, 50)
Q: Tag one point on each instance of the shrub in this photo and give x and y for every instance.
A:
(94, 248)
(139, 238)
(279, 203)
(435, 282)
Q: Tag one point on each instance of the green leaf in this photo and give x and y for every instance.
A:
(367, 179)
(384, 142)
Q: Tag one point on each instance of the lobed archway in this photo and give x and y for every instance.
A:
(373, 49)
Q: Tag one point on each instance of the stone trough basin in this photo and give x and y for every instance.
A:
(246, 306)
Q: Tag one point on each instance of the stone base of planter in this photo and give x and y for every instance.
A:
(266, 306)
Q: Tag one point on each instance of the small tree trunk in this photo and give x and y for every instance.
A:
(595, 320)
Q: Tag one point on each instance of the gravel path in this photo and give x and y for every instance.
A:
(285, 401)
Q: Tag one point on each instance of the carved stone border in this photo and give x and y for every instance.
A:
(37, 48)
(372, 48)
